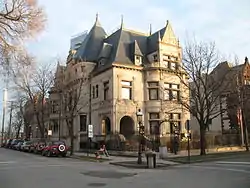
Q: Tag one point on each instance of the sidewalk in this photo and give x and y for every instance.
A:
(132, 156)
(118, 159)
(183, 153)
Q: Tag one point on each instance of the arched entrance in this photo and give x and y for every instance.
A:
(127, 126)
(106, 126)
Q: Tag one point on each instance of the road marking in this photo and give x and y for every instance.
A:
(233, 162)
(7, 162)
(225, 169)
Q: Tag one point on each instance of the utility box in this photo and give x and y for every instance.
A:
(151, 160)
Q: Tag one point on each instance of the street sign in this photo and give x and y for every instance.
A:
(49, 132)
(90, 131)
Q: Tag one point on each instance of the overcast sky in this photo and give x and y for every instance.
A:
(226, 22)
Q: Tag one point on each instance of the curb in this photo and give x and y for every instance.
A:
(144, 166)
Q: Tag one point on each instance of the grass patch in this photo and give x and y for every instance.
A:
(209, 157)
(92, 159)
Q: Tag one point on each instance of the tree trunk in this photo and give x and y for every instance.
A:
(40, 126)
(71, 134)
(202, 139)
(18, 131)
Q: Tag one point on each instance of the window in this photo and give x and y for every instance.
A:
(154, 115)
(154, 119)
(76, 70)
(173, 66)
(106, 90)
(153, 90)
(171, 92)
(101, 61)
(93, 92)
(96, 91)
(175, 122)
(138, 60)
(83, 123)
(126, 90)
(82, 68)
(55, 127)
(155, 58)
(53, 106)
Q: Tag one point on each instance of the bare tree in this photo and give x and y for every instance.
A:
(73, 103)
(19, 19)
(205, 85)
(35, 82)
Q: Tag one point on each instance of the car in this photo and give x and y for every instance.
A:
(8, 143)
(4, 142)
(38, 146)
(55, 148)
(26, 146)
(18, 145)
(14, 143)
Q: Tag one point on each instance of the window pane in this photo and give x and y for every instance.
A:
(175, 95)
(165, 63)
(126, 83)
(165, 128)
(166, 85)
(154, 115)
(175, 86)
(154, 127)
(126, 93)
(152, 84)
(166, 94)
(153, 94)
(176, 116)
(173, 66)
(83, 122)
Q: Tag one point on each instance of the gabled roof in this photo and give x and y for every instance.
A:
(166, 34)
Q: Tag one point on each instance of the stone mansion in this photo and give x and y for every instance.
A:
(126, 71)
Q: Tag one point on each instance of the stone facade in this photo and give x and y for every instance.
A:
(129, 71)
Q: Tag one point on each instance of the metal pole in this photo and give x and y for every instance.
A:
(90, 109)
(188, 147)
(60, 116)
(10, 121)
(139, 161)
(244, 119)
(4, 111)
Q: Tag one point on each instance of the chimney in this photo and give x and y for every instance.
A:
(246, 60)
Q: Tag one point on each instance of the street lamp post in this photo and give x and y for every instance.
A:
(4, 111)
(36, 132)
(139, 115)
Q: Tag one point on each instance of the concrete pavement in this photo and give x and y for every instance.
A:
(24, 170)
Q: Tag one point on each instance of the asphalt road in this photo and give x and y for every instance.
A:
(24, 170)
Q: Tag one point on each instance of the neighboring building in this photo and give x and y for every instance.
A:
(125, 71)
(31, 128)
(77, 40)
(229, 102)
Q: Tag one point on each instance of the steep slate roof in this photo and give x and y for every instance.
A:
(90, 48)
(119, 47)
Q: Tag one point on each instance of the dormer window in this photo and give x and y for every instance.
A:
(138, 60)
(155, 58)
(101, 61)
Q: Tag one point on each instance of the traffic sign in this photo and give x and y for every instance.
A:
(90, 131)
(49, 132)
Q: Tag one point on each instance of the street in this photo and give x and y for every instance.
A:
(24, 170)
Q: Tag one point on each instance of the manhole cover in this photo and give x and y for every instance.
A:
(108, 174)
(96, 184)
